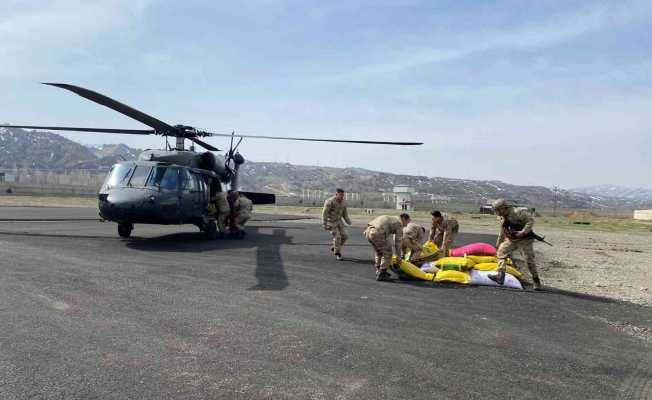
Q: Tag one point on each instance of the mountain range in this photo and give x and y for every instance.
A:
(47, 151)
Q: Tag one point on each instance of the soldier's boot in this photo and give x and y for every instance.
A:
(382, 275)
(499, 277)
(333, 250)
(537, 283)
(338, 256)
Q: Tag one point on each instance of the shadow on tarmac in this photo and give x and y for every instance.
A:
(577, 295)
(270, 273)
(269, 264)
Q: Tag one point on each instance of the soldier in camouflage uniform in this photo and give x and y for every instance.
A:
(241, 209)
(223, 210)
(331, 217)
(413, 236)
(443, 231)
(515, 233)
(218, 206)
(385, 234)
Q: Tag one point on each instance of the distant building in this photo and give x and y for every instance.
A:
(486, 209)
(7, 177)
(404, 195)
(643, 215)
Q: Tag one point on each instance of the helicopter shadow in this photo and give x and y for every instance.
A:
(269, 272)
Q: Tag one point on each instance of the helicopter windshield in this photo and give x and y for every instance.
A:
(140, 176)
(166, 178)
(119, 175)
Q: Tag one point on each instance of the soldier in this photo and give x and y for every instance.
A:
(223, 210)
(241, 208)
(331, 217)
(380, 233)
(515, 233)
(219, 206)
(413, 235)
(443, 231)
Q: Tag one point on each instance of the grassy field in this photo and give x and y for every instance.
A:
(573, 220)
(47, 201)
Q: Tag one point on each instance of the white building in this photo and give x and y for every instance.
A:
(643, 215)
(404, 197)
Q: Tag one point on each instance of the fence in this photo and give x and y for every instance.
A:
(81, 178)
(88, 182)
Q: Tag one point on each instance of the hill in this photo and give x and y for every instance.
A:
(635, 194)
(48, 151)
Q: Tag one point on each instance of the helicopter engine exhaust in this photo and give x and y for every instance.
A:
(210, 162)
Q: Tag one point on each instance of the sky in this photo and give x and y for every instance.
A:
(536, 93)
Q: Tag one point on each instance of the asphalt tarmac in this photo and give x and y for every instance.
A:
(166, 314)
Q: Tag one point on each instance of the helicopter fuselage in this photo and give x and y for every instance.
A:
(155, 192)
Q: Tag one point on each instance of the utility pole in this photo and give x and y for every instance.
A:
(555, 199)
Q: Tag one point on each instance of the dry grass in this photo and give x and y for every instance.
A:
(578, 221)
(47, 201)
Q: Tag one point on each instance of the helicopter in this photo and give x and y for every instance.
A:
(171, 186)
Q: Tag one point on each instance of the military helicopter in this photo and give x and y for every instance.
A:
(173, 185)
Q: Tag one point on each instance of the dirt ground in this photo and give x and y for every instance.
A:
(609, 257)
(609, 264)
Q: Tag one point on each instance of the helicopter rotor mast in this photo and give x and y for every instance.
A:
(181, 132)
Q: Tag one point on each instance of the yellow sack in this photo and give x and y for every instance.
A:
(454, 263)
(429, 248)
(414, 271)
(453, 277)
(429, 252)
(483, 259)
(494, 267)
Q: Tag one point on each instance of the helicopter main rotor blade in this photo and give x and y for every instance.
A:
(314, 140)
(75, 129)
(158, 125)
(204, 144)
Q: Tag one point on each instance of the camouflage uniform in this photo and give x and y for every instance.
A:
(379, 233)
(222, 209)
(521, 220)
(332, 215)
(242, 208)
(444, 233)
(413, 235)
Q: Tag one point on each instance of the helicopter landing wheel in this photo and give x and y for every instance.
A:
(210, 230)
(125, 228)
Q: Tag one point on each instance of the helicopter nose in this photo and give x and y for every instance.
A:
(117, 206)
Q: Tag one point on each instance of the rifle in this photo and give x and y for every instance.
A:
(511, 229)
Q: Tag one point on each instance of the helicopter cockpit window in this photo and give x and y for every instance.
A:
(140, 175)
(165, 178)
(119, 175)
(189, 181)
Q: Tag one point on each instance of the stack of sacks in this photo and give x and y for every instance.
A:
(454, 270)
(450, 269)
(466, 269)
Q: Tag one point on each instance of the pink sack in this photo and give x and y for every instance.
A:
(474, 249)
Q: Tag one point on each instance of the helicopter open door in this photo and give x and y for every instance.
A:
(191, 198)
(260, 198)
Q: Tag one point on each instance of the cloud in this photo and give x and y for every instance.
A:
(553, 31)
(52, 31)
